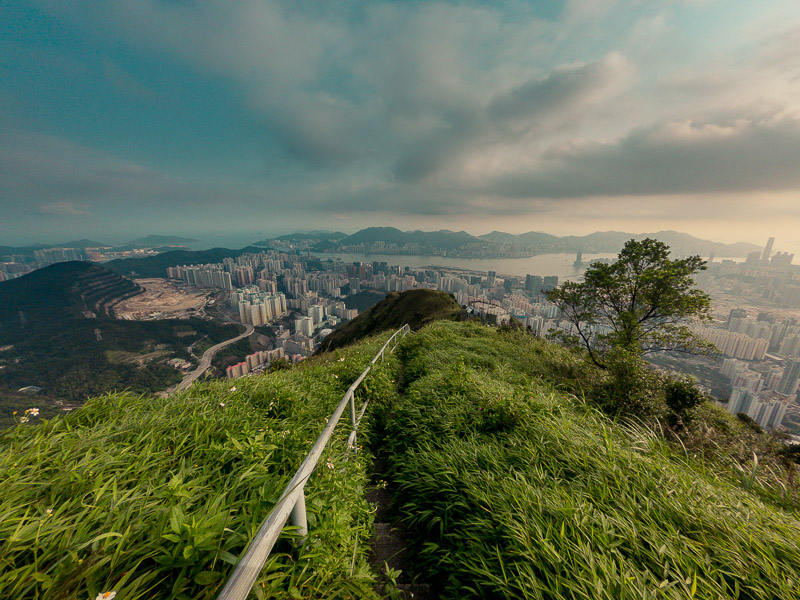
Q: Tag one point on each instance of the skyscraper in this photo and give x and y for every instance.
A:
(533, 283)
(791, 377)
(768, 249)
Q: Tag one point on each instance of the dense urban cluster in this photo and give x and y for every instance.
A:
(18, 264)
(756, 352)
(757, 333)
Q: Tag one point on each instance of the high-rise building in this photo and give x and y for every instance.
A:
(304, 326)
(753, 258)
(317, 313)
(533, 283)
(790, 379)
(736, 313)
(742, 401)
(768, 249)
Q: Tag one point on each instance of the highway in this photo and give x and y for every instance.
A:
(205, 361)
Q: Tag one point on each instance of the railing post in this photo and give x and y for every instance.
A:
(353, 409)
(299, 516)
(352, 441)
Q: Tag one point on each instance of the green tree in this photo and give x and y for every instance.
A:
(637, 305)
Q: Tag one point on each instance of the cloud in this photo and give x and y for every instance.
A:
(562, 91)
(440, 108)
(125, 82)
(64, 209)
(668, 158)
(536, 107)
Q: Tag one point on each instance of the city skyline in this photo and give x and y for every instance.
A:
(566, 117)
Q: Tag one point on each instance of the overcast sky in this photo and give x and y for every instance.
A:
(126, 117)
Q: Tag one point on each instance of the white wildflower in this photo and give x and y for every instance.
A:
(106, 596)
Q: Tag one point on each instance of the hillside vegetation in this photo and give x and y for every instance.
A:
(157, 498)
(510, 482)
(71, 357)
(414, 307)
(514, 490)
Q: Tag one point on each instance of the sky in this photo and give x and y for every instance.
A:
(120, 118)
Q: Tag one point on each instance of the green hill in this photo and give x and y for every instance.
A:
(509, 486)
(59, 323)
(46, 296)
(414, 307)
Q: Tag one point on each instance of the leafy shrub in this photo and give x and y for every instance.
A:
(682, 396)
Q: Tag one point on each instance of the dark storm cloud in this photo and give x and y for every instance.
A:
(672, 158)
(560, 90)
(536, 106)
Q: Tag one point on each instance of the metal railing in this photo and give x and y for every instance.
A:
(293, 501)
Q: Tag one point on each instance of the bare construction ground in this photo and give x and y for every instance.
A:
(162, 299)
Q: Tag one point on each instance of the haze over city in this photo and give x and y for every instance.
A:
(127, 118)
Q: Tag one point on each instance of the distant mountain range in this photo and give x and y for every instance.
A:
(148, 241)
(497, 243)
(612, 241)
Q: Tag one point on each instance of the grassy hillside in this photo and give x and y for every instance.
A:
(157, 498)
(510, 482)
(415, 307)
(514, 490)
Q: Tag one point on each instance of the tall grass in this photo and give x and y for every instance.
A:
(516, 491)
(157, 498)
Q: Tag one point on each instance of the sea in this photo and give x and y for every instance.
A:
(560, 264)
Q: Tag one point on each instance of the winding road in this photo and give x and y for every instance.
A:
(205, 361)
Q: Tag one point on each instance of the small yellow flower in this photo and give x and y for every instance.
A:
(106, 596)
(13, 413)
(49, 511)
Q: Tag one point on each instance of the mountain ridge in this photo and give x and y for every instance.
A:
(534, 242)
